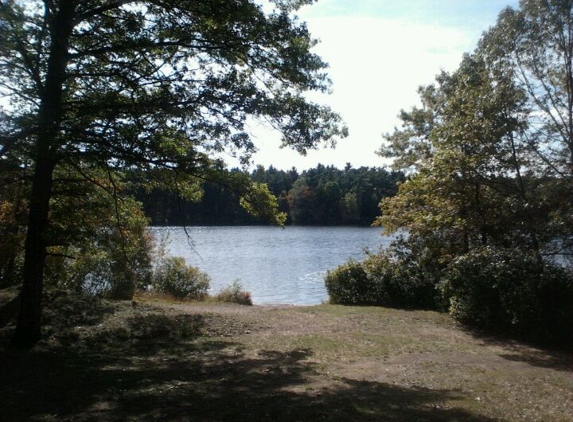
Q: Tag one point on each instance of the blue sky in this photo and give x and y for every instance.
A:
(379, 52)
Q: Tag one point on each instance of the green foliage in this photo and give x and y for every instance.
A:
(103, 248)
(532, 43)
(13, 210)
(384, 280)
(400, 281)
(329, 196)
(98, 241)
(349, 285)
(234, 293)
(512, 291)
(174, 277)
(259, 201)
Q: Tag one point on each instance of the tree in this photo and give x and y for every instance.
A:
(489, 157)
(475, 184)
(534, 44)
(106, 85)
(479, 181)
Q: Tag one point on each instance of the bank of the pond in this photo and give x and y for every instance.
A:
(141, 361)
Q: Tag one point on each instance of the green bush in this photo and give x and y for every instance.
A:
(401, 282)
(511, 290)
(174, 277)
(349, 285)
(384, 280)
(234, 293)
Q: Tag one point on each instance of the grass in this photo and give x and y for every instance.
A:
(172, 361)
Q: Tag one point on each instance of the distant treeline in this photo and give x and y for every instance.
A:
(323, 195)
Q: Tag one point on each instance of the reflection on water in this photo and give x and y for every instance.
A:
(278, 266)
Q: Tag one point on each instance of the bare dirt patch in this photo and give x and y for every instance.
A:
(222, 362)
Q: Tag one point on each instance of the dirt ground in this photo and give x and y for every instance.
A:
(142, 361)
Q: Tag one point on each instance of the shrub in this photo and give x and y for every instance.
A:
(234, 293)
(513, 291)
(382, 279)
(401, 282)
(349, 285)
(174, 277)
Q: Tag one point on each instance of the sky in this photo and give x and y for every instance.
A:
(380, 52)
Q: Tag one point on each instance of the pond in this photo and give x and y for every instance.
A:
(278, 266)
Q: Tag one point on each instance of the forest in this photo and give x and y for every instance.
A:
(320, 196)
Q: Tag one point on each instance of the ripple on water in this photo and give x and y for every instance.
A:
(278, 266)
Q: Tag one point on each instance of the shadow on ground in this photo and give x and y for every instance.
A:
(534, 354)
(548, 359)
(155, 377)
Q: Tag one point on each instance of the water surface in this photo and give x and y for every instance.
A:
(278, 266)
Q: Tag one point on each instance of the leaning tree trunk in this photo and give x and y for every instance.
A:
(60, 25)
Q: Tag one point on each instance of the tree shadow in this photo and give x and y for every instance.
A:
(534, 354)
(63, 310)
(201, 380)
(542, 359)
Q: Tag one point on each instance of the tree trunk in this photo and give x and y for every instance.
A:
(60, 24)
(29, 319)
